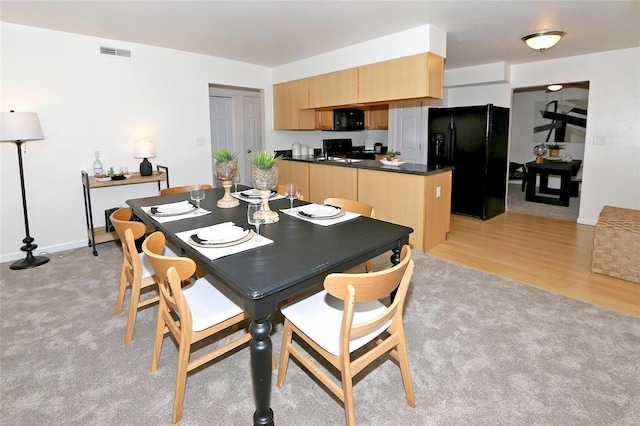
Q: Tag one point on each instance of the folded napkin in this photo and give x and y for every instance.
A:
(173, 211)
(254, 200)
(324, 222)
(221, 229)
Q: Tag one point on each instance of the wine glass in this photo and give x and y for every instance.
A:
(236, 179)
(291, 192)
(255, 217)
(197, 194)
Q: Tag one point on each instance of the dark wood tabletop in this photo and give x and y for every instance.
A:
(301, 256)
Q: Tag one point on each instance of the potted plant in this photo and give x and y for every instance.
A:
(264, 175)
(226, 170)
(554, 149)
(393, 155)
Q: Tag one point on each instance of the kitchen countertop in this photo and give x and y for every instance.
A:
(408, 168)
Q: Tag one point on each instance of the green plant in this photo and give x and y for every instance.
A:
(392, 154)
(224, 154)
(554, 146)
(265, 160)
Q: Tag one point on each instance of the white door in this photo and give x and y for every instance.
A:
(252, 124)
(409, 133)
(222, 129)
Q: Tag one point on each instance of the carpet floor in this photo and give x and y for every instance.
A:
(483, 350)
(516, 203)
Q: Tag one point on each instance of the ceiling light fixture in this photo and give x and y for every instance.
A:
(543, 40)
(554, 87)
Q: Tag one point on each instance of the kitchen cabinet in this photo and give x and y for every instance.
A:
(290, 106)
(324, 120)
(412, 77)
(376, 117)
(294, 172)
(332, 181)
(334, 89)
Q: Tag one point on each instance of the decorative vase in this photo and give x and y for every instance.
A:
(265, 181)
(554, 153)
(225, 172)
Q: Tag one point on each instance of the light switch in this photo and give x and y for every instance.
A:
(200, 141)
(599, 140)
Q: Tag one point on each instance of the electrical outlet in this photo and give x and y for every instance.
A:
(200, 141)
(438, 191)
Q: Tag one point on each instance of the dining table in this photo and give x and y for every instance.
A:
(298, 255)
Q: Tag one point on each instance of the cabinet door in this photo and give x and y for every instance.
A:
(411, 77)
(332, 181)
(324, 120)
(334, 89)
(289, 102)
(294, 172)
(377, 117)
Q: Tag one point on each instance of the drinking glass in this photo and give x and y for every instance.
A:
(291, 192)
(197, 194)
(236, 179)
(255, 217)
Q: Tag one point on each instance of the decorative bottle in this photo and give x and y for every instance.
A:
(97, 165)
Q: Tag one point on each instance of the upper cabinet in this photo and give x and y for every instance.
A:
(411, 77)
(290, 103)
(334, 89)
(376, 117)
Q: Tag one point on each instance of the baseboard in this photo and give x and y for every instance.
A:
(44, 250)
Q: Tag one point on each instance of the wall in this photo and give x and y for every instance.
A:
(90, 102)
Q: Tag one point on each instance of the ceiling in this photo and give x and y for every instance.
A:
(273, 33)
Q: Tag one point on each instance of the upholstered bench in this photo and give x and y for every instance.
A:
(616, 244)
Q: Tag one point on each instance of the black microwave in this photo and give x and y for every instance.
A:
(348, 120)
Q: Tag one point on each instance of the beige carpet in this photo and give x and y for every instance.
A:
(483, 351)
(516, 203)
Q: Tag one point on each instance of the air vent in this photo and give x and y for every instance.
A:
(112, 51)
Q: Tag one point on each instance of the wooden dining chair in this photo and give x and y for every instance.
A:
(179, 189)
(344, 317)
(353, 206)
(136, 273)
(191, 314)
(280, 189)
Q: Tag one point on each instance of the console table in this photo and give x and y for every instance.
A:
(564, 169)
(97, 236)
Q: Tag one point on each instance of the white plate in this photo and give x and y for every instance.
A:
(222, 235)
(254, 193)
(392, 163)
(173, 210)
(319, 212)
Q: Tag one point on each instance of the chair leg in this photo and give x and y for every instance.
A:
(368, 267)
(122, 288)
(159, 338)
(403, 359)
(181, 381)
(287, 335)
(134, 299)
(347, 393)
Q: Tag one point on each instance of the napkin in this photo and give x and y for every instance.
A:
(176, 207)
(324, 222)
(217, 252)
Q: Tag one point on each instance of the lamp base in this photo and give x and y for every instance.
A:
(30, 261)
(146, 169)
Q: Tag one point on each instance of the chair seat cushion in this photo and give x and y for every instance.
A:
(147, 269)
(207, 304)
(320, 316)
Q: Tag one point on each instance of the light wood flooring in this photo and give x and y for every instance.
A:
(546, 253)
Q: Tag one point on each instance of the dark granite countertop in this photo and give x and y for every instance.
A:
(408, 168)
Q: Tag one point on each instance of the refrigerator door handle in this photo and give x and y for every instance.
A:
(452, 139)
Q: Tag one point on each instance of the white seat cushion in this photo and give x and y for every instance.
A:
(320, 316)
(147, 270)
(207, 304)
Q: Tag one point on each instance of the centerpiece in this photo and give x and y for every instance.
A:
(554, 149)
(393, 155)
(264, 176)
(226, 170)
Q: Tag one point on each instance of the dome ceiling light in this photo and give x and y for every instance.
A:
(554, 87)
(543, 40)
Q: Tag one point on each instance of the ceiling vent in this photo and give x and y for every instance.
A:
(112, 51)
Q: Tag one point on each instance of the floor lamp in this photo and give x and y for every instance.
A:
(19, 127)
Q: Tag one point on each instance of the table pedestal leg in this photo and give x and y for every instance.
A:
(260, 349)
(395, 259)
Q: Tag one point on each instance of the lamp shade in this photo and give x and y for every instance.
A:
(144, 149)
(20, 126)
(543, 40)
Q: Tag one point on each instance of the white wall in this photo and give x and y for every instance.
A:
(90, 102)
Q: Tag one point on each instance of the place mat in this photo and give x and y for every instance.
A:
(255, 200)
(320, 221)
(218, 251)
(160, 218)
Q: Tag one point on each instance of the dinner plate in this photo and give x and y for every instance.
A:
(320, 212)
(230, 236)
(392, 163)
(173, 210)
(254, 193)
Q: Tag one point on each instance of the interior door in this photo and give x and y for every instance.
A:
(252, 123)
(409, 140)
(222, 129)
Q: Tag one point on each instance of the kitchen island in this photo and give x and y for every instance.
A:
(414, 195)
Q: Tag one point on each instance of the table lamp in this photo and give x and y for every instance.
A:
(19, 127)
(144, 149)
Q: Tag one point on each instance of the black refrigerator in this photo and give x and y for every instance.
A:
(474, 140)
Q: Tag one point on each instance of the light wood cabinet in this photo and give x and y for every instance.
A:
(376, 117)
(332, 181)
(411, 77)
(334, 89)
(294, 172)
(324, 120)
(290, 106)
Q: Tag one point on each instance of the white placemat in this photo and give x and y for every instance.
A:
(218, 252)
(254, 200)
(163, 219)
(324, 222)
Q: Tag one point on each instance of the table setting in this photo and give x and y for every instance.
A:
(174, 211)
(253, 196)
(320, 214)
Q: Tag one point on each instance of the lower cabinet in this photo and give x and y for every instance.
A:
(332, 181)
(294, 172)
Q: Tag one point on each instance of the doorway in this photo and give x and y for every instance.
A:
(236, 119)
(543, 116)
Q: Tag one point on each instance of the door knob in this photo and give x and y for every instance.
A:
(248, 151)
